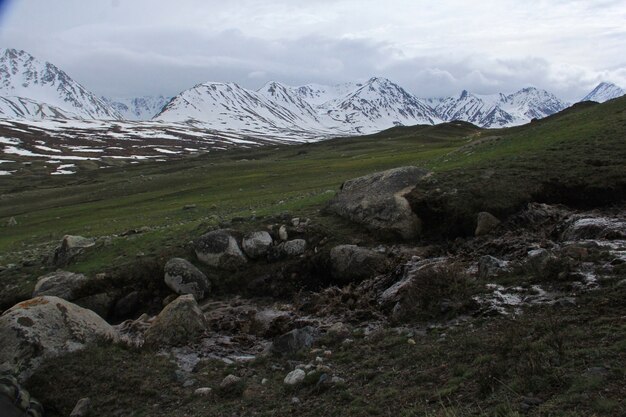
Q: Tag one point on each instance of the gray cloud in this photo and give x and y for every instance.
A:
(126, 48)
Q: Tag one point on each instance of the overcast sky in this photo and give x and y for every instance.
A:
(127, 48)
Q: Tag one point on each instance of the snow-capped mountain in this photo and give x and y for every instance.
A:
(368, 108)
(317, 94)
(33, 89)
(499, 110)
(604, 91)
(289, 98)
(138, 108)
(25, 79)
(379, 104)
(229, 107)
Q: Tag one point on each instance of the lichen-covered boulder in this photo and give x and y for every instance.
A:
(219, 248)
(62, 284)
(256, 244)
(180, 322)
(46, 327)
(378, 201)
(184, 278)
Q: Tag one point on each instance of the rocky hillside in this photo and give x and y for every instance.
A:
(487, 280)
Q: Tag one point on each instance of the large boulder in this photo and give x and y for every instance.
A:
(184, 278)
(46, 327)
(62, 284)
(378, 201)
(353, 263)
(595, 228)
(256, 244)
(180, 322)
(219, 248)
(70, 247)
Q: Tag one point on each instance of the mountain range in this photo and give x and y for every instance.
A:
(33, 89)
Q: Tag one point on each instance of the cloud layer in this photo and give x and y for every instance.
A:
(141, 47)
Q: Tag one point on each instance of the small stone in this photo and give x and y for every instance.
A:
(264, 381)
(294, 247)
(295, 377)
(189, 207)
(337, 380)
(189, 383)
(82, 408)
(282, 233)
(295, 400)
(411, 342)
(319, 359)
(295, 221)
(203, 392)
(12, 222)
(328, 353)
(229, 381)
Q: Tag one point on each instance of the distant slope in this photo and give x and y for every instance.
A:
(43, 85)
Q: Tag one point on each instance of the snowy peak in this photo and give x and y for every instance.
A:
(604, 91)
(532, 103)
(138, 108)
(380, 104)
(499, 110)
(230, 107)
(25, 77)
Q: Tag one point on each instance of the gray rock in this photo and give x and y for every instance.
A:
(293, 247)
(11, 222)
(351, 263)
(229, 381)
(219, 249)
(256, 244)
(184, 278)
(489, 267)
(70, 247)
(485, 223)
(60, 284)
(269, 322)
(203, 392)
(178, 323)
(595, 228)
(378, 201)
(282, 233)
(45, 327)
(82, 408)
(295, 377)
(294, 341)
(339, 331)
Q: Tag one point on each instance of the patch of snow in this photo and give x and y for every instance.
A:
(9, 141)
